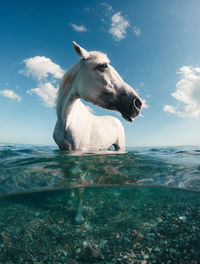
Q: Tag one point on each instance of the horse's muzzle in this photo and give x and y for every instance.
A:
(132, 111)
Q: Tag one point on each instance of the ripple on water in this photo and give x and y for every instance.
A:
(127, 217)
(28, 168)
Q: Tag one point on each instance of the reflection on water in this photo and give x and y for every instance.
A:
(121, 225)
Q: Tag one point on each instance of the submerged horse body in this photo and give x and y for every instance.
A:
(94, 80)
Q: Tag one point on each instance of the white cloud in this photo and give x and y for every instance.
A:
(10, 94)
(187, 93)
(119, 23)
(107, 7)
(137, 31)
(144, 104)
(169, 108)
(79, 28)
(118, 26)
(47, 73)
(47, 92)
(41, 67)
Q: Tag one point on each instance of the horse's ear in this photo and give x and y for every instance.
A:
(81, 52)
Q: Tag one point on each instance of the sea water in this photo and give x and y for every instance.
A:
(142, 206)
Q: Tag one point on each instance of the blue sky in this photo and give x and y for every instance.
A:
(154, 45)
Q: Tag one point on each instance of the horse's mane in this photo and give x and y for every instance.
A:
(64, 88)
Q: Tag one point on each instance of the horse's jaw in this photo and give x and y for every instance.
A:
(128, 118)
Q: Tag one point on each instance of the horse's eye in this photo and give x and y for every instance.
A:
(103, 66)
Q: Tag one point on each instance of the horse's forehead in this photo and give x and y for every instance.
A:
(99, 57)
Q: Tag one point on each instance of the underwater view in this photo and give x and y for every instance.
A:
(142, 206)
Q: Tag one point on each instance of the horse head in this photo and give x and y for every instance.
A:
(99, 83)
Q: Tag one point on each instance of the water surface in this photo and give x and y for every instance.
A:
(28, 168)
(142, 206)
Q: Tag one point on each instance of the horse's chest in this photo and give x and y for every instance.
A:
(91, 137)
(79, 138)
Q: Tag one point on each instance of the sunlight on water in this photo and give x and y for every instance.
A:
(126, 216)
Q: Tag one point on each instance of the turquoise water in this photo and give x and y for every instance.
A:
(29, 168)
(142, 206)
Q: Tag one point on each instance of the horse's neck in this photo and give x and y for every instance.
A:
(75, 112)
(70, 108)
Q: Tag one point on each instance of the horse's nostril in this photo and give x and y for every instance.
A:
(138, 103)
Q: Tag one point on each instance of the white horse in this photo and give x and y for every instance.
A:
(96, 81)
